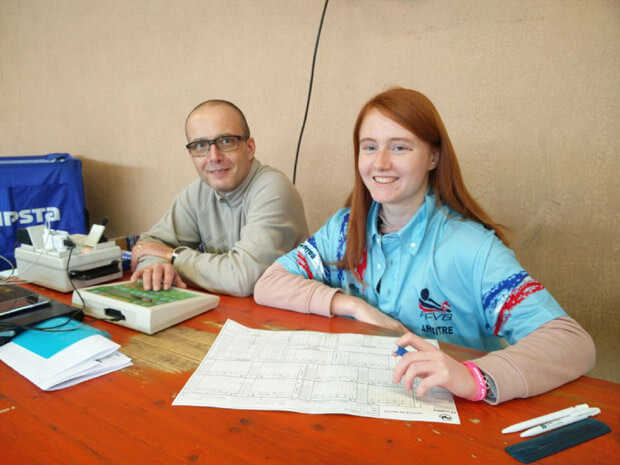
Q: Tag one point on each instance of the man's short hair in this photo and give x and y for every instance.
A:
(213, 102)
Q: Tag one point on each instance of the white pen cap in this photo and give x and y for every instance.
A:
(542, 419)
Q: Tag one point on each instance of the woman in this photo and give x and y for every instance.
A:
(416, 253)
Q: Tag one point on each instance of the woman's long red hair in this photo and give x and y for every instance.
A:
(416, 113)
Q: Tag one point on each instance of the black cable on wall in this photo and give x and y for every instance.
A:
(303, 125)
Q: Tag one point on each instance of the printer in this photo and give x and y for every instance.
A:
(57, 260)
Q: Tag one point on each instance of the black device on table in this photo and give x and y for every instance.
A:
(22, 308)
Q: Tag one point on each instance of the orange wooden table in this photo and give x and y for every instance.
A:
(127, 417)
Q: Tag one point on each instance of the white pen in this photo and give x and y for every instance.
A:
(538, 420)
(559, 422)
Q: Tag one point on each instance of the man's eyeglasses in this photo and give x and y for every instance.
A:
(200, 148)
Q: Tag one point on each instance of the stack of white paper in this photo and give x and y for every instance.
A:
(309, 372)
(63, 354)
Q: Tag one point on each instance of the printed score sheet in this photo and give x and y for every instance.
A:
(309, 372)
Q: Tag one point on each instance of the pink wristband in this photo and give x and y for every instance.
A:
(477, 374)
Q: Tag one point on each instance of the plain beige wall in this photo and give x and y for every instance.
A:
(527, 89)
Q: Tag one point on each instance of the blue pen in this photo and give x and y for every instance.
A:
(9, 333)
(400, 351)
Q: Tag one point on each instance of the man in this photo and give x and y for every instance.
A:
(243, 214)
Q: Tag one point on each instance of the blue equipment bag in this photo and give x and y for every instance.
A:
(41, 189)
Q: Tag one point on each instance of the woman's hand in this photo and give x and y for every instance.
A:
(346, 305)
(434, 367)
